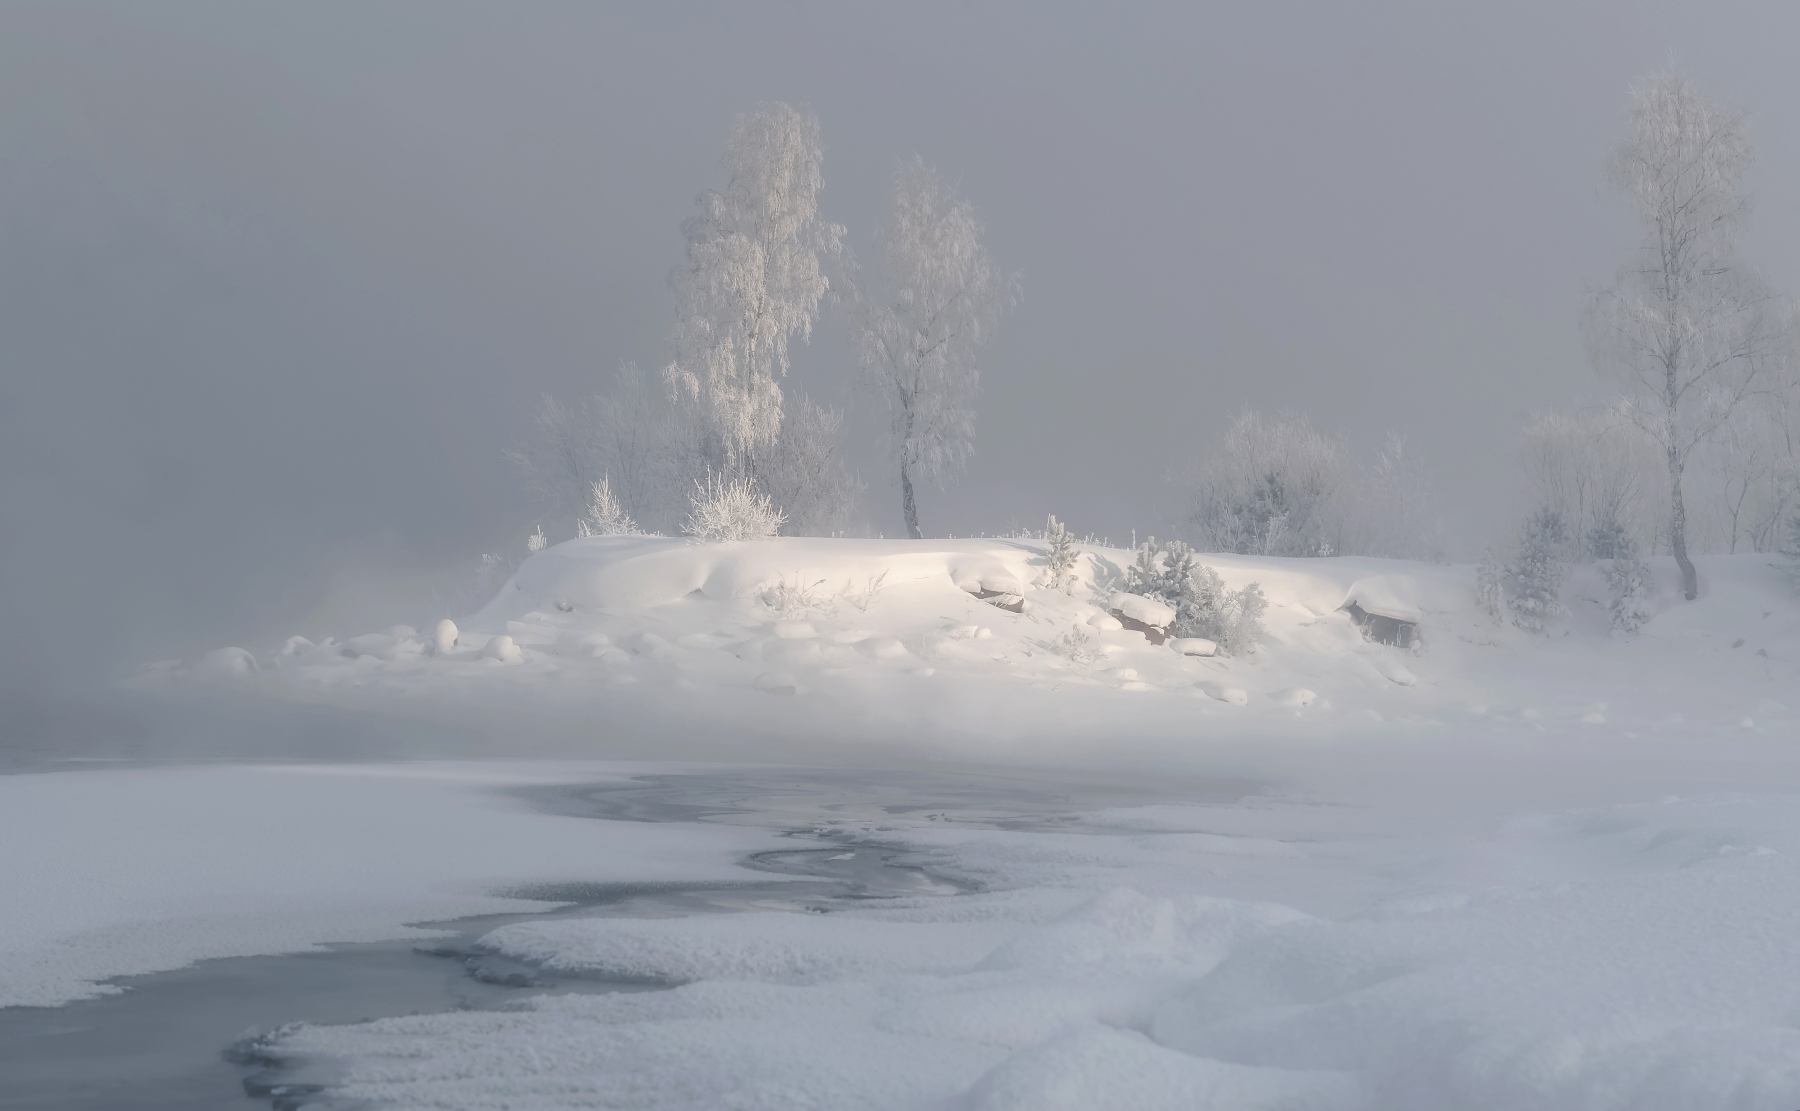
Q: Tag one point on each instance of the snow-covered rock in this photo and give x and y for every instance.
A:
(1150, 611)
(502, 648)
(443, 638)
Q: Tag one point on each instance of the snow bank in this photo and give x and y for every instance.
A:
(795, 645)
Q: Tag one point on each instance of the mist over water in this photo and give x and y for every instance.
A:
(278, 285)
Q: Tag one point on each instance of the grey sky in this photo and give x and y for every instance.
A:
(279, 282)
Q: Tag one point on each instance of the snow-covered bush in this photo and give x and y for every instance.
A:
(1060, 557)
(871, 590)
(1274, 486)
(797, 599)
(1231, 619)
(1534, 581)
(1203, 607)
(604, 515)
(537, 541)
(722, 509)
(1076, 646)
(1627, 588)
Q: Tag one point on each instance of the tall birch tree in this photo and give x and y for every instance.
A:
(758, 257)
(944, 296)
(1688, 330)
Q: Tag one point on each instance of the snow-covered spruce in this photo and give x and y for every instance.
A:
(1203, 608)
(1059, 557)
(1534, 581)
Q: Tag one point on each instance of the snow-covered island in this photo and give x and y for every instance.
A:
(965, 647)
(1346, 869)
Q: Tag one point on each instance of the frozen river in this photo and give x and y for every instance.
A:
(190, 1038)
(1401, 929)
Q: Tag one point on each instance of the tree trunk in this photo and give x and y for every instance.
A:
(906, 504)
(1690, 581)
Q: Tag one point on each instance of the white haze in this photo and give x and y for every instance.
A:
(278, 284)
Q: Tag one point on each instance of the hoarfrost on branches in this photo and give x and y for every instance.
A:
(805, 471)
(604, 515)
(756, 273)
(1687, 330)
(722, 509)
(1274, 486)
(944, 299)
(1598, 472)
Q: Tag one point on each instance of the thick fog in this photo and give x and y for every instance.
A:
(281, 282)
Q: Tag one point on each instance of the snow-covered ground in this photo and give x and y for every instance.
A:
(816, 648)
(1494, 871)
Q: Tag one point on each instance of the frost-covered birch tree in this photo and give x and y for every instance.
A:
(1687, 329)
(944, 296)
(758, 257)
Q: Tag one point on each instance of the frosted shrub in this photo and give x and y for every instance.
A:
(722, 509)
(604, 515)
(1534, 582)
(1061, 555)
(1628, 588)
(1232, 619)
(1203, 607)
(1076, 646)
(799, 599)
(1274, 486)
(536, 542)
(864, 598)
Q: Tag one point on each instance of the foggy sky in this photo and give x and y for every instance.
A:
(279, 283)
